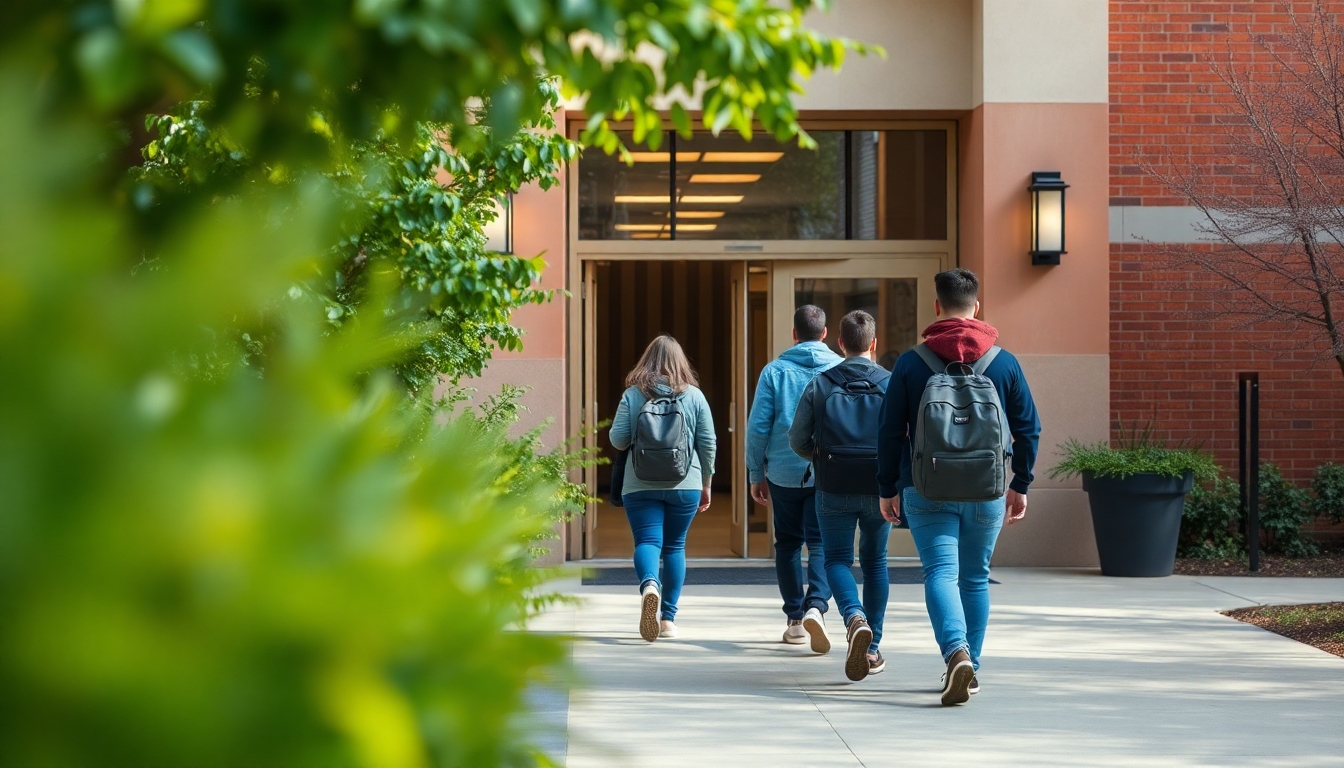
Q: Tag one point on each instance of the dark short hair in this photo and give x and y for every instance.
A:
(857, 330)
(809, 321)
(957, 289)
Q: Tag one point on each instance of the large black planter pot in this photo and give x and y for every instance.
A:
(1137, 521)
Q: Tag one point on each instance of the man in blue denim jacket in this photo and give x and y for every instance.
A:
(777, 474)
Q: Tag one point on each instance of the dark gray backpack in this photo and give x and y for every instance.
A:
(962, 446)
(662, 444)
(847, 404)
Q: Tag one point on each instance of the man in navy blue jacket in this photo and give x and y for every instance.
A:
(955, 539)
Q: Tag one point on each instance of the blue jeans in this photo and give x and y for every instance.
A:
(955, 541)
(795, 512)
(838, 515)
(660, 521)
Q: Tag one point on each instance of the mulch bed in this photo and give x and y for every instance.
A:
(1319, 624)
(1327, 565)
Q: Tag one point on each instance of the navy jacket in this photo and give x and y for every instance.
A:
(901, 407)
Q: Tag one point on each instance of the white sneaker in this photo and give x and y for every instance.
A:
(794, 634)
(815, 626)
(650, 603)
(667, 629)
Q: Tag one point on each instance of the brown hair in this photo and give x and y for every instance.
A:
(856, 332)
(663, 361)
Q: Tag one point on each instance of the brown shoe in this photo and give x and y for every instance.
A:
(860, 636)
(960, 673)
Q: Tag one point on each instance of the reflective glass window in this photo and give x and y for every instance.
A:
(891, 301)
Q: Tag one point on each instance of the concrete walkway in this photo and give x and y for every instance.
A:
(1079, 670)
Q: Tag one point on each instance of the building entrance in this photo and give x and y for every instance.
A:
(711, 309)
(732, 317)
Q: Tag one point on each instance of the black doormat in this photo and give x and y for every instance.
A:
(716, 576)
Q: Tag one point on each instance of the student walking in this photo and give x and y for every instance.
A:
(782, 480)
(960, 400)
(836, 426)
(664, 421)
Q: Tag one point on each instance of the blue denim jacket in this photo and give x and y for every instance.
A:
(782, 382)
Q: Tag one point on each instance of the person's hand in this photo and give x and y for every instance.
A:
(704, 500)
(1016, 506)
(760, 493)
(891, 509)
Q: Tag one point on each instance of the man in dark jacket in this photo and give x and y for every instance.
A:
(844, 402)
(955, 539)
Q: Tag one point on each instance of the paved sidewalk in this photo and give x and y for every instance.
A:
(1079, 670)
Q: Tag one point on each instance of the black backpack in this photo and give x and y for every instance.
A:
(662, 444)
(846, 406)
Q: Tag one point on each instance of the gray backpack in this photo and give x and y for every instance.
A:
(962, 445)
(661, 449)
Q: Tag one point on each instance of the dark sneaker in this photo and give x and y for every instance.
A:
(975, 683)
(957, 681)
(876, 663)
(860, 636)
(816, 629)
(650, 602)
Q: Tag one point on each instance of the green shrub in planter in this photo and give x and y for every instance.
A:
(1327, 490)
(1146, 457)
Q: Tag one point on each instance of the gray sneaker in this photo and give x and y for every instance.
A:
(860, 636)
(794, 634)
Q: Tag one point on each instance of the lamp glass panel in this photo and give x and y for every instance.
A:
(1049, 220)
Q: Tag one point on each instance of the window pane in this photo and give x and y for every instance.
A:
(892, 302)
(732, 189)
(624, 202)
(900, 185)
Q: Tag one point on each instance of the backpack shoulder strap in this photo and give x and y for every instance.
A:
(930, 359)
(982, 365)
(831, 375)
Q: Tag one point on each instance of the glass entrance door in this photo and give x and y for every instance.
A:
(896, 290)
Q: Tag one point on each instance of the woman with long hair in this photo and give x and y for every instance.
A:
(664, 421)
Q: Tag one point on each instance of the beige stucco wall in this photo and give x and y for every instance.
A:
(928, 62)
(1040, 51)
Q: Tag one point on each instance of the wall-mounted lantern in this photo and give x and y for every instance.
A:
(1047, 217)
(499, 233)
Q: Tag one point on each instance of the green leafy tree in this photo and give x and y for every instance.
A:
(227, 537)
(416, 211)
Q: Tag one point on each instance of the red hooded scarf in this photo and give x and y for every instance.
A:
(960, 339)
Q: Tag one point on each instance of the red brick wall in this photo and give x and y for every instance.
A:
(1170, 361)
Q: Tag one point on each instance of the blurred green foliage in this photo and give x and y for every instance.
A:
(228, 536)
(237, 569)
